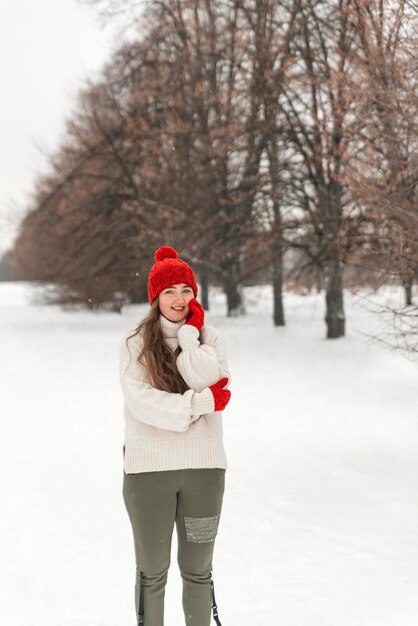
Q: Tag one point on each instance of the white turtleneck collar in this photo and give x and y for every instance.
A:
(170, 329)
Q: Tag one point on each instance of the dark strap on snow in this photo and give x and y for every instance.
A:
(214, 607)
(141, 621)
(141, 600)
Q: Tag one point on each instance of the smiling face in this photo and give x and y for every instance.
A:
(173, 301)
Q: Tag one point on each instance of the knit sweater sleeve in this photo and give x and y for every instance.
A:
(201, 365)
(162, 409)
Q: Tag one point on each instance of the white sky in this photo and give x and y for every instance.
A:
(47, 49)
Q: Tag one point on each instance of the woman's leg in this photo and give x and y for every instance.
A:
(198, 513)
(151, 500)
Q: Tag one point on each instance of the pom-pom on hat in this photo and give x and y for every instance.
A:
(169, 270)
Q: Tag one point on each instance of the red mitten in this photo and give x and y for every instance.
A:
(221, 396)
(196, 315)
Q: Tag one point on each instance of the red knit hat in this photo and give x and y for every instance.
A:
(169, 270)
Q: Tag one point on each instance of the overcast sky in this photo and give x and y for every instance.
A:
(47, 49)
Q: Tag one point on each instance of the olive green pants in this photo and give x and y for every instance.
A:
(155, 501)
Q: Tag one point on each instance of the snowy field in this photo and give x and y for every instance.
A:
(320, 519)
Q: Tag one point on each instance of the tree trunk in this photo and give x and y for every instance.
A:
(318, 281)
(235, 302)
(335, 318)
(408, 291)
(205, 290)
(278, 312)
(277, 251)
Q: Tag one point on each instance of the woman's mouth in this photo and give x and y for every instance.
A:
(178, 308)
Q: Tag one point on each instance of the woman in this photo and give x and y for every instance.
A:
(174, 377)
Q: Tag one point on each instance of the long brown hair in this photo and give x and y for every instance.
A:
(156, 356)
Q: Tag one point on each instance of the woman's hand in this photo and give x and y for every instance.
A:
(196, 314)
(221, 396)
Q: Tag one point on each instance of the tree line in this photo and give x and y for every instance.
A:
(267, 140)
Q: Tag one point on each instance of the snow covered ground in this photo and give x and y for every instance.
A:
(320, 518)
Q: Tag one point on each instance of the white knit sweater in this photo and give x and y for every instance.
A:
(168, 431)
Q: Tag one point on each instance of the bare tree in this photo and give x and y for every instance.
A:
(384, 174)
(315, 104)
